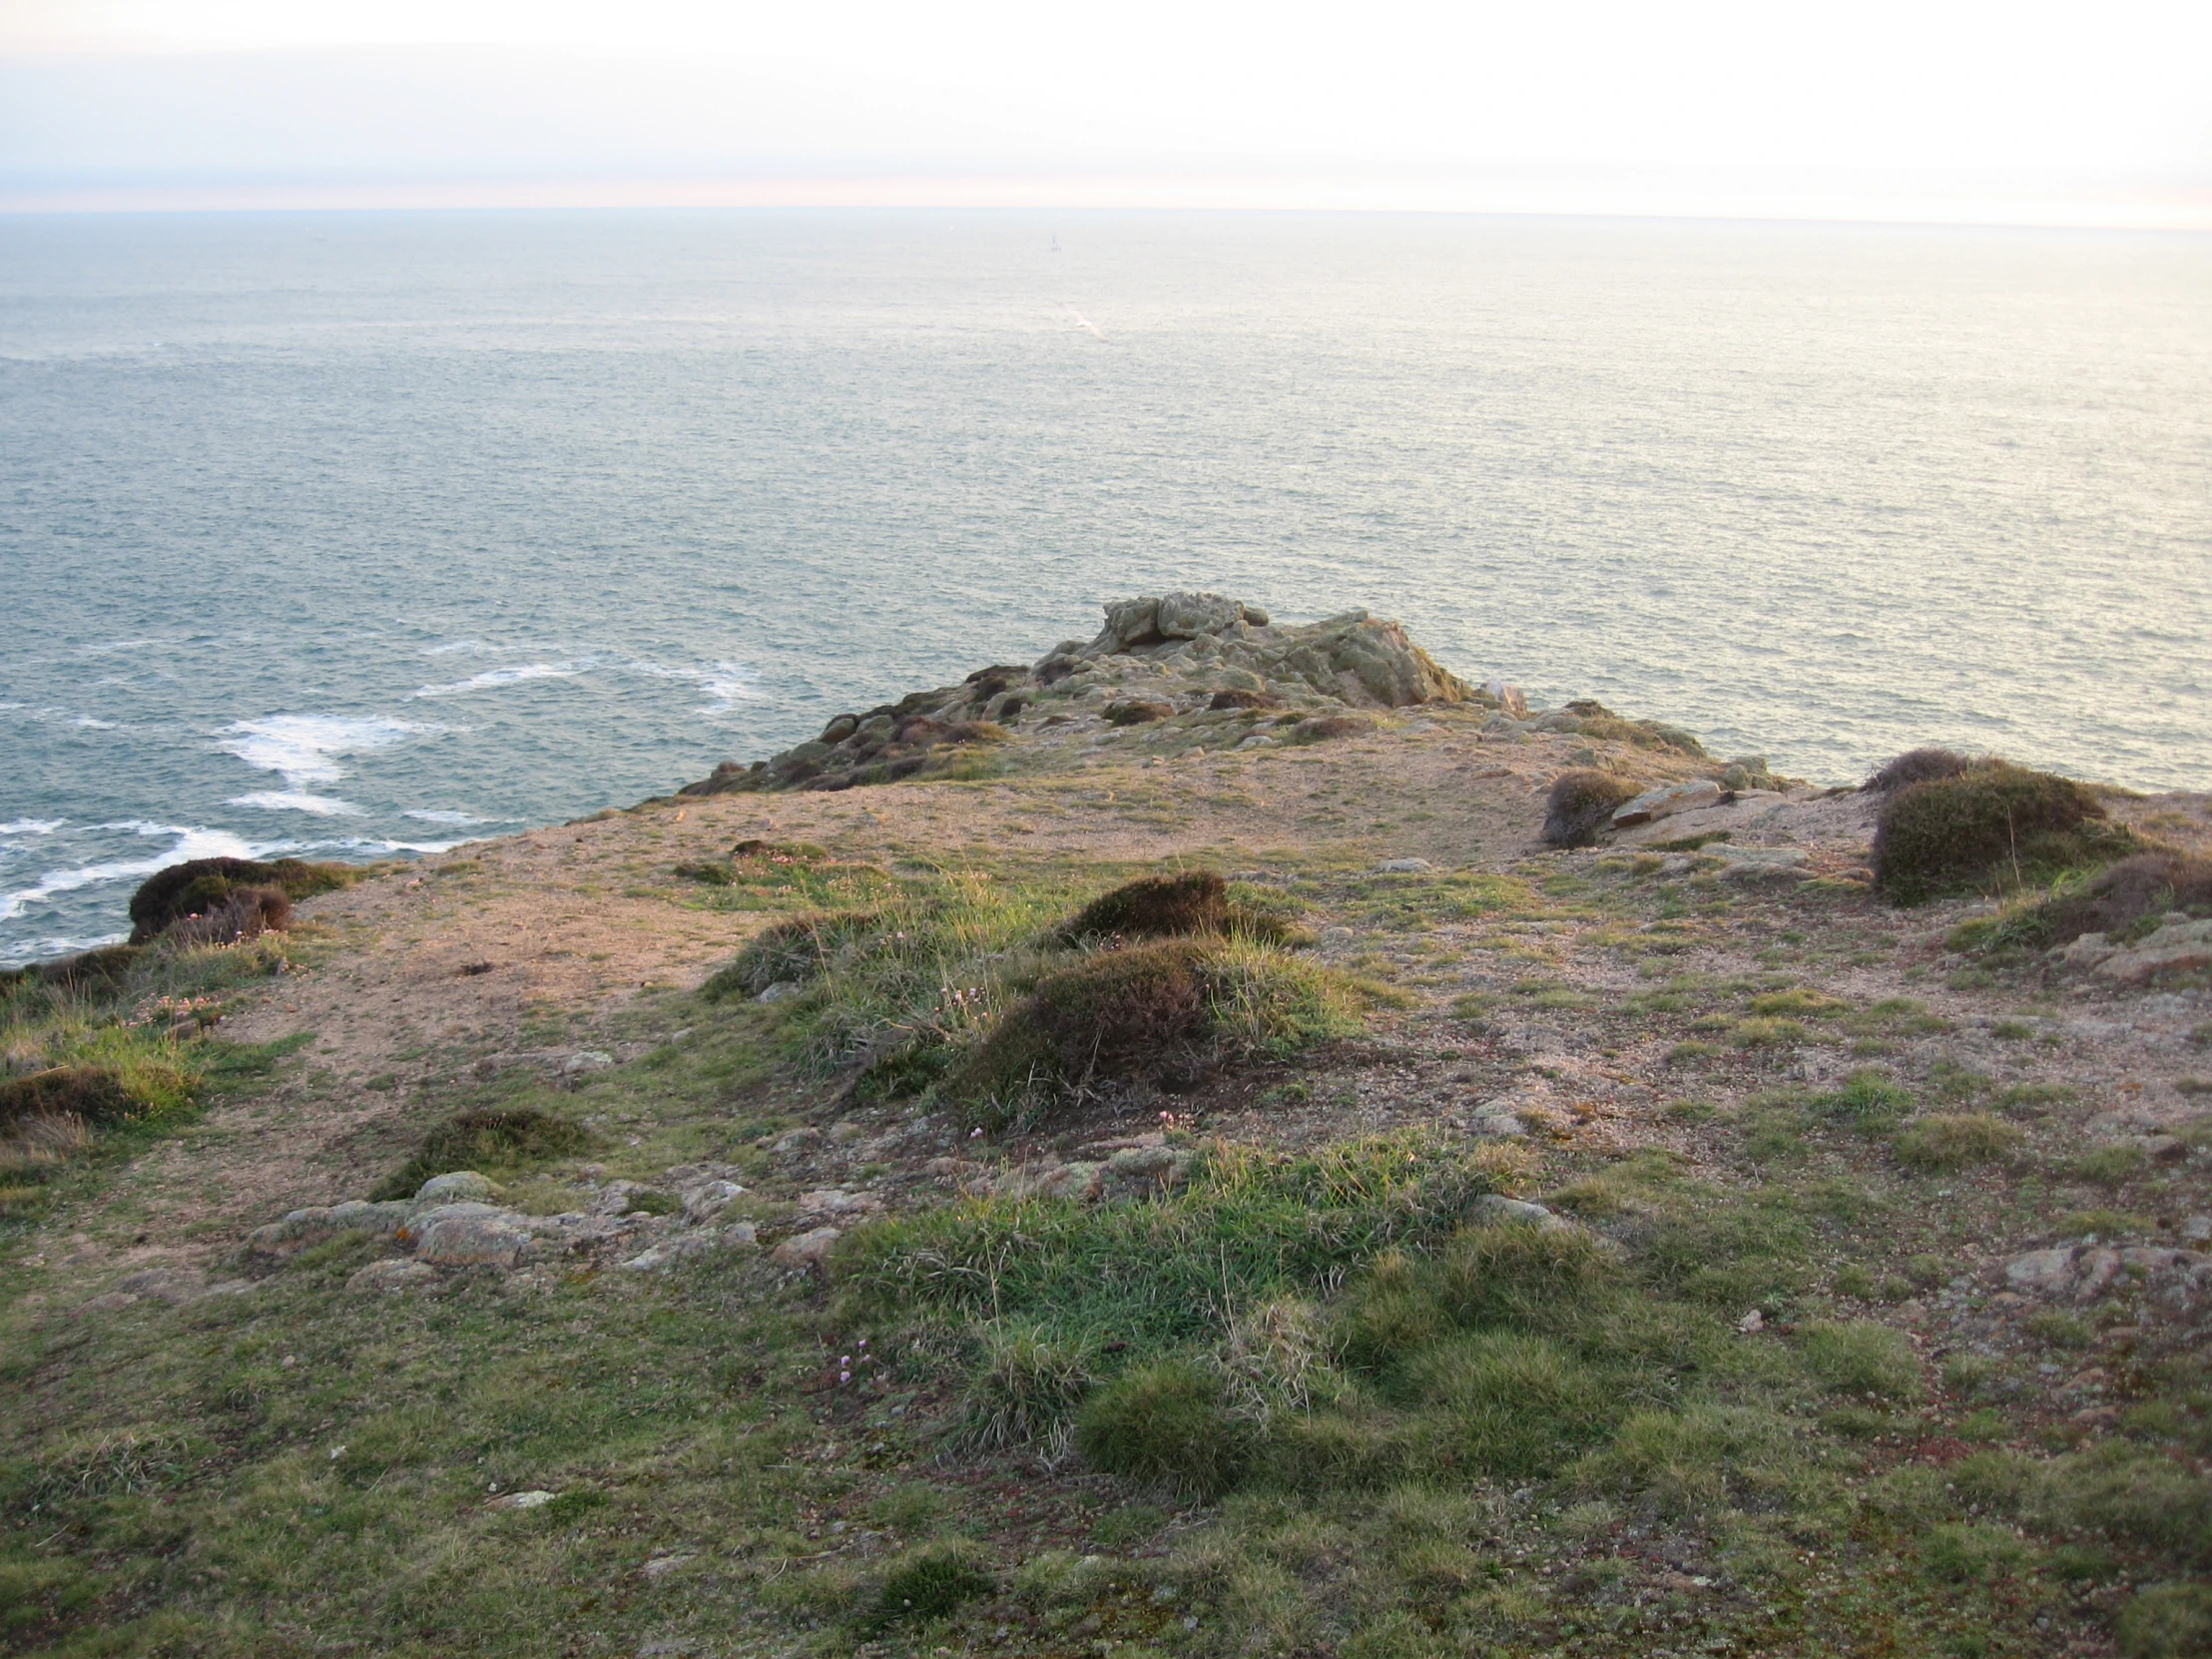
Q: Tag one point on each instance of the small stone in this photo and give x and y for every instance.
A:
(521, 1500)
(2164, 1149)
(836, 1201)
(662, 1565)
(586, 1060)
(1403, 867)
(1752, 1320)
(1498, 1126)
(780, 990)
(2197, 1229)
(391, 1277)
(703, 1204)
(1496, 1207)
(2041, 1271)
(808, 1250)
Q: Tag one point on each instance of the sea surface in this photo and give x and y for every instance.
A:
(359, 534)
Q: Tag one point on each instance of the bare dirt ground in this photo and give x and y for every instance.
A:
(512, 953)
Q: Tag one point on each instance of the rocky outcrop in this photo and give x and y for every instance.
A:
(1179, 656)
(455, 1224)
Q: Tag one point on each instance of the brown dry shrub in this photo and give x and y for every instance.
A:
(242, 913)
(93, 1094)
(1915, 766)
(1582, 803)
(2133, 891)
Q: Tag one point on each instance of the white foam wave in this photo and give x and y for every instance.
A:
(493, 678)
(30, 827)
(36, 950)
(296, 800)
(452, 819)
(451, 647)
(91, 725)
(302, 749)
(367, 843)
(190, 844)
(727, 682)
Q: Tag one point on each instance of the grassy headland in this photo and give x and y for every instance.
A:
(899, 1235)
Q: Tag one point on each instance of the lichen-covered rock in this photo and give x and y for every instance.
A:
(463, 1241)
(461, 1186)
(2178, 946)
(1667, 800)
(318, 1224)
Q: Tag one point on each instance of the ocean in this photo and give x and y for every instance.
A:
(354, 535)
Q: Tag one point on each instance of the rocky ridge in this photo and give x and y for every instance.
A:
(1202, 658)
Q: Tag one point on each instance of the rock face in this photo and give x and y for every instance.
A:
(1158, 659)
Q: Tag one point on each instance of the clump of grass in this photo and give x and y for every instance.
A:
(2167, 1621)
(1581, 804)
(1955, 1140)
(2127, 900)
(487, 1138)
(1860, 1357)
(117, 1463)
(933, 1582)
(1168, 1425)
(1026, 1388)
(1994, 823)
(1868, 1100)
(1960, 1552)
(1248, 1224)
(793, 951)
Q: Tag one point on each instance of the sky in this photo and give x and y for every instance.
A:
(1946, 110)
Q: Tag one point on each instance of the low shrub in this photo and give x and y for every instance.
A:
(1149, 1014)
(1329, 727)
(1166, 906)
(1166, 1425)
(1244, 699)
(503, 1138)
(197, 885)
(1994, 823)
(1955, 1140)
(1581, 804)
(1915, 766)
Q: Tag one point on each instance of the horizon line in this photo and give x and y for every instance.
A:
(2187, 211)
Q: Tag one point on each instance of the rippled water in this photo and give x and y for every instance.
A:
(360, 533)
